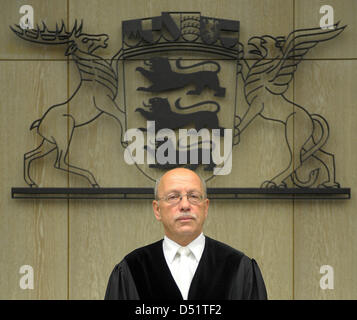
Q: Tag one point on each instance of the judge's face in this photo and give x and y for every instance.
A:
(182, 221)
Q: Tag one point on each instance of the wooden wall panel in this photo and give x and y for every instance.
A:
(31, 232)
(307, 15)
(262, 230)
(101, 233)
(46, 11)
(324, 232)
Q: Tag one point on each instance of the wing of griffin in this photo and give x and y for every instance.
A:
(287, 54)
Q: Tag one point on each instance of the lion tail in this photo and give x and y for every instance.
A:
(180, 66)
(178, 105)
(313, 175)
(319, 120)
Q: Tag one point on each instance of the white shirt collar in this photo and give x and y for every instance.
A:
(196, 246)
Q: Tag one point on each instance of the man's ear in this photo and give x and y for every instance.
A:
(206, 206)
(71, 49)
(156, 208)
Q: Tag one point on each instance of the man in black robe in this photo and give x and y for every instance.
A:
(185, 264)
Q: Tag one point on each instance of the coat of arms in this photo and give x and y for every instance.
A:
(175, 86)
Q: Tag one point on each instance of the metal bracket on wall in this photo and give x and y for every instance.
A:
(213, 193)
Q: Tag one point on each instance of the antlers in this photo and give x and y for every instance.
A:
(46, 36)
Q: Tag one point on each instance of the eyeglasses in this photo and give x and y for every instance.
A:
(192, 197)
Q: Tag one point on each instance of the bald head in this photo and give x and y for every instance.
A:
(178, 173)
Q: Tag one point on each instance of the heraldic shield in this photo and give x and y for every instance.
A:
(180, 74)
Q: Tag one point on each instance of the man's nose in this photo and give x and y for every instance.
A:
(184, 203)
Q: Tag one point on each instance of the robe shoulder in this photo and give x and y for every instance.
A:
(121, 285)
(224, 251)
(144, 252)
(247, 282)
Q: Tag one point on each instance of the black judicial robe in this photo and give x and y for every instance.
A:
(223, 273)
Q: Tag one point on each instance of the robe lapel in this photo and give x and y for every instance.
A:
(211, 280)
(199, 279)
(152, 275)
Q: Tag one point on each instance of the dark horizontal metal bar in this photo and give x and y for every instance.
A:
(279, 191)
(148, 193)
(83, 190)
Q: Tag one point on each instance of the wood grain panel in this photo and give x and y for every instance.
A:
(47, 11)
(307, 15)
(325, 231)
(31, 232)
(262, 229)
(101, 234)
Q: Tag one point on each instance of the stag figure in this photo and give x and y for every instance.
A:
(95, 95)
